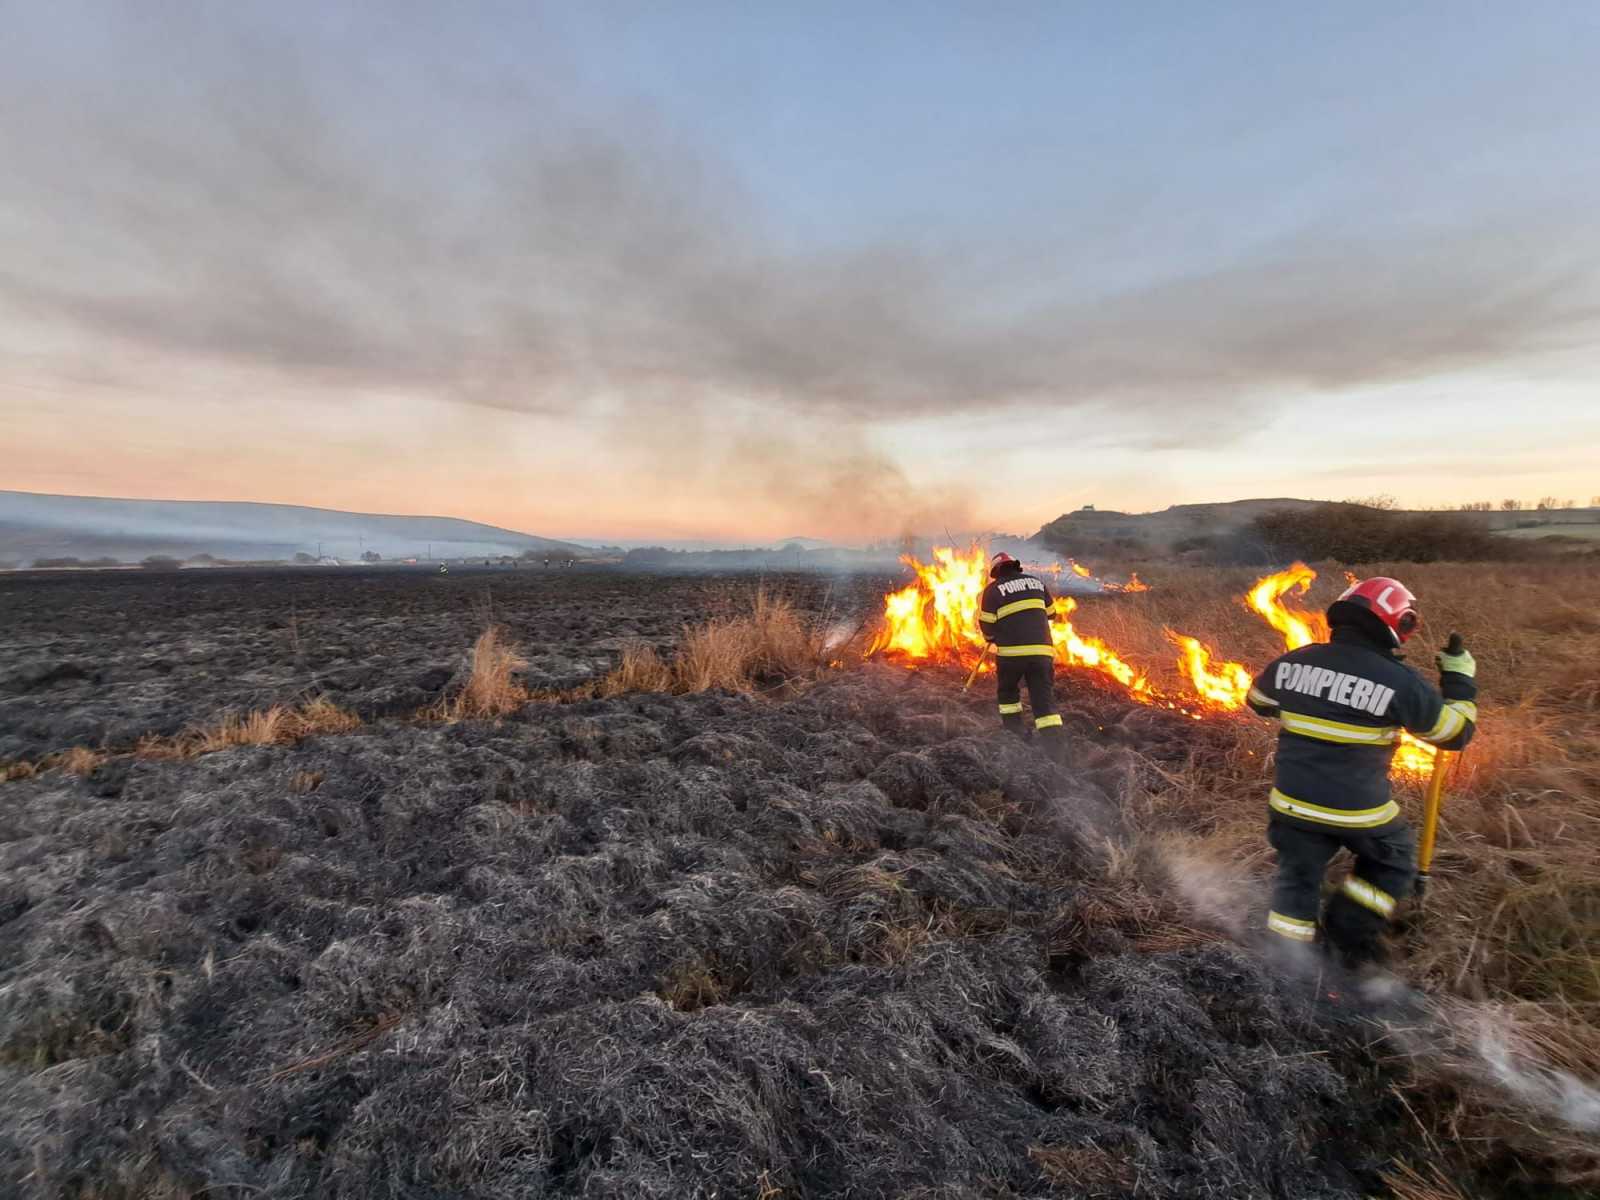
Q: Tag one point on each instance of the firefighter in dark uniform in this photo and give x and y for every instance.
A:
(1341, 705)
(1014, 616)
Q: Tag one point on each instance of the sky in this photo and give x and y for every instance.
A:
(734, 271)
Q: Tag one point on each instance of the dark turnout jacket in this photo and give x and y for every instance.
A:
(1342, 705)
(1014, 614)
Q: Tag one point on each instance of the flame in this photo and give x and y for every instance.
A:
(937, 615)
(1078, 651)
(1298, 628)
(1079, 569)
(1224, 684)
(935, 619)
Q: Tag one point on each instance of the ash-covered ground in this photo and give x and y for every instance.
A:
(849, 942)
(100, 658)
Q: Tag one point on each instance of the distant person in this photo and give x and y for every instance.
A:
(547, 562)
(1014, 617)
(1341, 705)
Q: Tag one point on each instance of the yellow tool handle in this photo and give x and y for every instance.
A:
(973, 674)
(1433, 799)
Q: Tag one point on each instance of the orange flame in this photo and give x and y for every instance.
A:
(1222, 684)
(1298, 628)
(935, 619)
(937, 615)
(1078, 651)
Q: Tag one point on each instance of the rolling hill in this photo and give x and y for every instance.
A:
(35, 526)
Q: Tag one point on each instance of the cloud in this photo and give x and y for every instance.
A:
(245, 201)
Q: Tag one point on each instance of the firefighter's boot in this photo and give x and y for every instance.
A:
(1012, 724)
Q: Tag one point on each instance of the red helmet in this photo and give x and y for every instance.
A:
(1387, 599)
(1000, 562)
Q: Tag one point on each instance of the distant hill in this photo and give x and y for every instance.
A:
(1186, 526)
(35, 526)
(1158, 532)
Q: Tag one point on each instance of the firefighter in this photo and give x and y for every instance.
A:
(1341, 705)
(1014, 617)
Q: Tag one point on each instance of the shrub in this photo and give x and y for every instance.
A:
(1353, 533)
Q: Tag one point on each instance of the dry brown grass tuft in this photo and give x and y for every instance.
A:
(276, 726)
(695, 983)
(305, 782)
(772, 644)
(1407, 1183)
(1085, 1170)
(492, 689)
(641, 669)
(79, 761)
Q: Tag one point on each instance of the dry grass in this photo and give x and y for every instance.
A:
(78, 760)
(493, 688)
(279, 725)
(640, 670)
(1085, 1170)
(772, 644)
(304, 782)
(1513, 911)
(1408, 1183)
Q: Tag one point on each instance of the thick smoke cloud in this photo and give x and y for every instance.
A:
(245, 200)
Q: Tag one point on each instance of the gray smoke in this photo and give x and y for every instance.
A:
(220, 191)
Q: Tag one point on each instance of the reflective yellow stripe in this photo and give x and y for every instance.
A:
(1025, 651)
(1049, 722)
(1363, 893)
(1257, 696)
(1007, 709)
(1350, 818)
(1005, 610)
(1291, 927)
(1453, 718)
(988, 618)
(1325, 730)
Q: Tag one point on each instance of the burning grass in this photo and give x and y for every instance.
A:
(1512, 917)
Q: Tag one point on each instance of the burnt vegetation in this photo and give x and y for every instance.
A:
(694, 915)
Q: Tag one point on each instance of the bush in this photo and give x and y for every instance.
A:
(160, 562)
(1352, 533)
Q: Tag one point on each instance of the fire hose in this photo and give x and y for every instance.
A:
(1433, 800)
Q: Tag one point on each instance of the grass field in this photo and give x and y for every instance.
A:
(1512, 918)
(352, 916)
